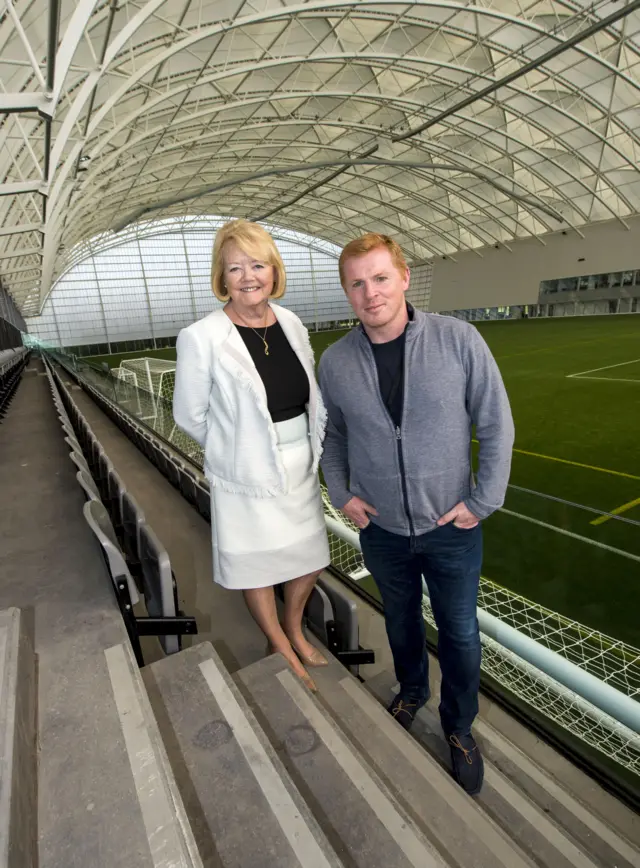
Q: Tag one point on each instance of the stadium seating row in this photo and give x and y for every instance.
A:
(12, 364)
(331, 615)
(137, 562)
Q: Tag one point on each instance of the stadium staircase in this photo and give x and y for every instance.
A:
(209, 769)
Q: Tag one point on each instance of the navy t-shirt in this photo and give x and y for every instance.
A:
(390, 364)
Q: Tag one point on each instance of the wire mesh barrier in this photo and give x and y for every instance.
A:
(143, 390)
(611, 661)
(559, 704)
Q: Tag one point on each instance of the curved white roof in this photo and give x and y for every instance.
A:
(324, 118)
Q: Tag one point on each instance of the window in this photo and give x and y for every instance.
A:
(602, 281)
(568, 284)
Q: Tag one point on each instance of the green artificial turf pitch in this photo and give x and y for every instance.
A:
(577, 439)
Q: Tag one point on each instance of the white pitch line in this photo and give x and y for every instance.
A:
(604, 368)
(569, 533)
(604, 379)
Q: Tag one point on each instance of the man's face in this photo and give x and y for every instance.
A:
(375, 288)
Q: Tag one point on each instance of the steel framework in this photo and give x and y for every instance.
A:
(120, 108)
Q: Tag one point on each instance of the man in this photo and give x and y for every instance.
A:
(403, 391)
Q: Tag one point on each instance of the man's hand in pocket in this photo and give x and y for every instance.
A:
(358, 511)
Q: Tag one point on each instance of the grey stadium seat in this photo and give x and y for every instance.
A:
(188, 485)
(158, 584)
(88, 485)
(80, 462)
(132, 519)
(115, 490)
(98, 520)
(203, 500)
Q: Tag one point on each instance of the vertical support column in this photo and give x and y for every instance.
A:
(146, 290)
(315, 289)
(55, 320)
(150, 383)
(186, 259)
(104, 317)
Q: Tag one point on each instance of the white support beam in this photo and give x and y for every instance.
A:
(16, 254)
(25, 42)
(73, 35)
(13, 283)
(26, 102)
(20, 271)
(16, 188)
(19, 229)
(261, 65)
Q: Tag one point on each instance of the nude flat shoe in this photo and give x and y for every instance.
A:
(306, 679)
(315, 659)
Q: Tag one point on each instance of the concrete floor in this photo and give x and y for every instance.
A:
(51, 567)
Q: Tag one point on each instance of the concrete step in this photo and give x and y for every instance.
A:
(456, 824)
(18, 750)
(545, 819)
(244, 808)
(117, 803)
(356, 806)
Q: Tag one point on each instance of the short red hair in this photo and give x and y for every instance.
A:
(368, 242)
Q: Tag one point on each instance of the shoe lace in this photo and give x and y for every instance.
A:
(468, 754)
(403, 706)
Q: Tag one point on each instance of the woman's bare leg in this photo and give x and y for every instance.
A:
(261, 602)
(296, 594)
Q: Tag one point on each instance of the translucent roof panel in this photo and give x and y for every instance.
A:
(330, 119)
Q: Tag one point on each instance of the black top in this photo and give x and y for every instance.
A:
(390, 364)
(284, 378)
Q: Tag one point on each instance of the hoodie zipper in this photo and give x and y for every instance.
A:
(403, 479)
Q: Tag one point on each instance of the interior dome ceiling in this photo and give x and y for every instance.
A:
(327, 118)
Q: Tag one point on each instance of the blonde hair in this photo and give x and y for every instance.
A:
(368, 242)
(253, 240)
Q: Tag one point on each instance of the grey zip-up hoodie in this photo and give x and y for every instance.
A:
(451, 383)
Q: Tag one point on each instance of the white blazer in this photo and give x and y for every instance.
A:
(221, 402)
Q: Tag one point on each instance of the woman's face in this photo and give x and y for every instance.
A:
(249, 281)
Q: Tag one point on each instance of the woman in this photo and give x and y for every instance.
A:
(246, 392)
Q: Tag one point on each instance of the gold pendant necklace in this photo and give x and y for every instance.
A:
(263, 337)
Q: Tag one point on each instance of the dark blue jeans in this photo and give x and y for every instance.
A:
(450, 560)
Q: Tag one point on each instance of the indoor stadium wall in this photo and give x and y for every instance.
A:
(512, 277)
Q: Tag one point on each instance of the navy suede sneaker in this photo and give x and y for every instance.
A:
(404, 709)
(467, 762)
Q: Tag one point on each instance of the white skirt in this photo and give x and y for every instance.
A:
(263, 541)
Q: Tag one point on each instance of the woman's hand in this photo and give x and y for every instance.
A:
(358, 511)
